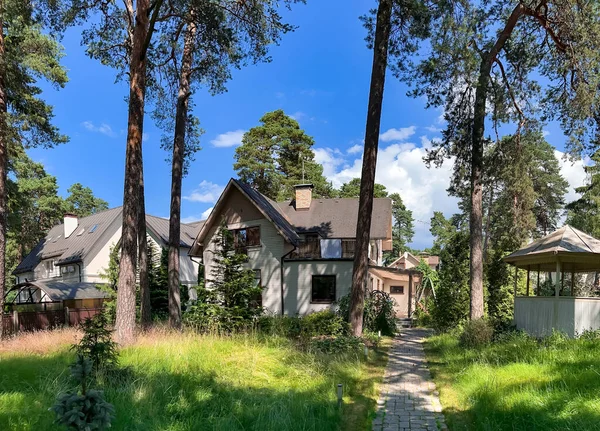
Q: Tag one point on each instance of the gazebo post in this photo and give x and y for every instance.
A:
(528, 269)
(537, 285)
(516, 275)
(557, 280)
(562, 281)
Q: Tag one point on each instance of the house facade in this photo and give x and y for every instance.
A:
(301, 251)
(74, 255)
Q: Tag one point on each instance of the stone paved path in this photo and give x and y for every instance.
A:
(408, 399)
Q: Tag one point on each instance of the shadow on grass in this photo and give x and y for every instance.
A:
(192, 399)
(559, 394)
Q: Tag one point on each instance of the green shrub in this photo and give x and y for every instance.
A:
(97, 344)
(283, 326)
(86, 409)
(370, 338)
(336, 345)
(476, 333)
(378, 314)
(422, 314)
(324, 322)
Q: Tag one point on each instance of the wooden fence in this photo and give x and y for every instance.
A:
(49, 319)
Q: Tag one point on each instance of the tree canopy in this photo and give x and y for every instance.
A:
(276, 156)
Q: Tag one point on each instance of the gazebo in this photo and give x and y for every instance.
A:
(565, 251)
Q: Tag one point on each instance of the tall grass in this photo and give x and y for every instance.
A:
(187, 382)
(518, 383)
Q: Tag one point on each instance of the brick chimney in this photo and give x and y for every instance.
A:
(303, 196)
(70, 222)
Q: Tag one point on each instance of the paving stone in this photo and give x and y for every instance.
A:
(409, 399)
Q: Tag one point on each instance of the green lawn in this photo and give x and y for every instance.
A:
(188, 382)
(518, 384)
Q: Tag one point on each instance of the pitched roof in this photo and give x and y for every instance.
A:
(567, 244)
(271, 210)
(86, 240)
(160, 227)
(337, 218)
(59, 291)
(80, 244)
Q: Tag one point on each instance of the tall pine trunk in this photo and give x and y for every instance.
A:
(3, 168)
(367, 182)
(181, 116)
(125, 319)
(145, 308)
(476, 216)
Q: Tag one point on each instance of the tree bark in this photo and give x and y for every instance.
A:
(145, 307)
(125, 316)
(181, 115)
(476, 216)
(3, 168)
(367, 183)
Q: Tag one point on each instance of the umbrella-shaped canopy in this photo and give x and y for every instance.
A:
(568, 247)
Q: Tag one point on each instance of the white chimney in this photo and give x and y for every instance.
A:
(71, 223)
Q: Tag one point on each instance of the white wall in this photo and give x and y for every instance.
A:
(539, 315)
(266, 257)
(99, 264)
(298, 283)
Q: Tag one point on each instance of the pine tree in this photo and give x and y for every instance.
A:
(351, 189)
(82, 202)
(276, 156)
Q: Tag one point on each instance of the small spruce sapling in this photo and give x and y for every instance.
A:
(97, 344)
(86, 409)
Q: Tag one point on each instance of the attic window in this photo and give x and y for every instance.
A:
(56, 239)
(93, 228)
(81, 232)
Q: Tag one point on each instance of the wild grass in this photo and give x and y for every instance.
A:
(184, 381)
(518, 383)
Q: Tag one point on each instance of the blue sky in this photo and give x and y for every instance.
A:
(319, 74)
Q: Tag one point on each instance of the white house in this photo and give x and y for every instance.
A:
(74, 255)
(301, 250)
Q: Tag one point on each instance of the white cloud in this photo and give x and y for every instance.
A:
(206, 213)
(330, 159)
(228, 139)
(103, 128)
(573, 172)
(206, 192)
(298, 115)
(401, 169)
(397, 134)
(355, 149)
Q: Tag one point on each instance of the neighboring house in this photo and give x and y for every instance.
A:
(70, 260)
(402, 281)
(301, 250)
(408, 260)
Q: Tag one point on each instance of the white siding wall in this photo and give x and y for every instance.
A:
(298, 283)
(99, 264)
(188, 269)
(539, 315)
(266, 258)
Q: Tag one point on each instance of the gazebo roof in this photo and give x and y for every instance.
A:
(576, 251)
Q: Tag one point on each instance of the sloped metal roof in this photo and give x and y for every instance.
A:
(77, 246)
(86, 240)
(160, 226)
(59, 291)
(578, 250)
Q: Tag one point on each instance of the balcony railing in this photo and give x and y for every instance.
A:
(311, 249)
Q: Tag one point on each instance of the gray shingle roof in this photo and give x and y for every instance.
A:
(337, 218)
(59, 291)
(84, 243)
